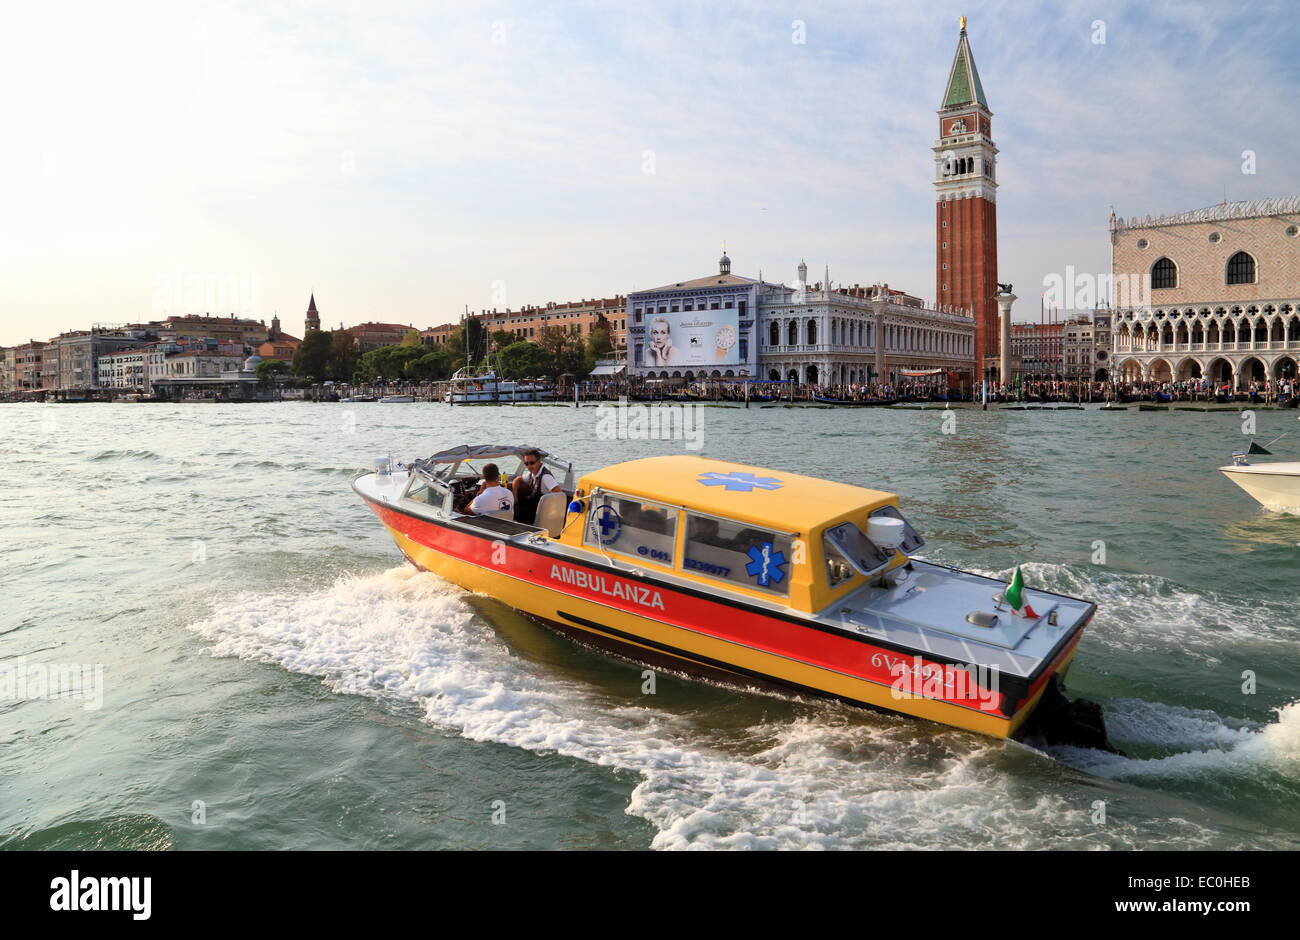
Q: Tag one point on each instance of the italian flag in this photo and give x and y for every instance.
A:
(1015, 596)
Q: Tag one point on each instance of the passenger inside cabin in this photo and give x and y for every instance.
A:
(530, 486)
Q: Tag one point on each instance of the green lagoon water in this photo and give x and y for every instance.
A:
(269, 658)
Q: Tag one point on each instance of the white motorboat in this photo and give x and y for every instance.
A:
(396, 399)
(488, 388)
(1275, 485)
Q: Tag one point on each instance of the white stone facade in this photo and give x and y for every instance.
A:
(1210, 293)
(856, 335)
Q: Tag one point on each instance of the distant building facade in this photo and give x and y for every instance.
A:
(29, 368)
(823, 335)
(1211, 292)
(700, 327)
(8, 357)
(279, 344)
(123, 369)
(194, 328)
(377, 335)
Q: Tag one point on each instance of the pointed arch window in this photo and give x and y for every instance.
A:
(1164, 274)
(1241, 269)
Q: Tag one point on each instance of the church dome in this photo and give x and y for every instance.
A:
(251, 362)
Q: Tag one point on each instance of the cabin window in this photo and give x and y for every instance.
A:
(628, 525)
(738, 554)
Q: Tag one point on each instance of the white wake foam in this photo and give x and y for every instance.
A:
(1204, 743)
(833, 778)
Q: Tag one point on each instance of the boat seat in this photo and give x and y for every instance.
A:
(550, 513)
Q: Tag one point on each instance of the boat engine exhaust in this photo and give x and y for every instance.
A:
(1061, 720)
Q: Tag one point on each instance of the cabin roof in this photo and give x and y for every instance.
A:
(789, 502)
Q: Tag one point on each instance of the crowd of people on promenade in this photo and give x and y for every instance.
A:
(1274, 391)
(1282, 391)
(1270, 392)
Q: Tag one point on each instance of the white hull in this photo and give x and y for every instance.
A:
(1276, 486)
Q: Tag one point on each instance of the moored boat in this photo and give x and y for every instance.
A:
(468, 388)
(752, 576)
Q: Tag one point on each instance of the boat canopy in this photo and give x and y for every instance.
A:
(464, 452)
(788, 502)
(477, 452)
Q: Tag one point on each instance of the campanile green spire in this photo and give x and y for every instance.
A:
(964, 79)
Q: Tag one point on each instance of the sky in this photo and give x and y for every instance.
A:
(405, 160)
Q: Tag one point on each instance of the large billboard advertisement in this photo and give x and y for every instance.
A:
(693, 339)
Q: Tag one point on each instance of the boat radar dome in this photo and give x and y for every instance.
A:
(885, 531)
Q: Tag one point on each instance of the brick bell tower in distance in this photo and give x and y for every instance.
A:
(965, 190)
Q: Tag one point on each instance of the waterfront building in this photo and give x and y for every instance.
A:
(965, 188)
(202, 363)
(1211, 292)
(28, 366)
(124, 369)
(1102, 357)
(1036, 347)
(438, 335)
(696, 328)
(578, 316)
(194, 328)
(156, 362)
(581, 317)
(1080, 356)
(79, 352)
(279, 344)
(377, 335)
(7, 368)
(212, 375)
(823, 335)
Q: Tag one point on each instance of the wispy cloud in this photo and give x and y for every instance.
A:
(400, 161)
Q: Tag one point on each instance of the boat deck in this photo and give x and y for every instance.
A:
(927, 610)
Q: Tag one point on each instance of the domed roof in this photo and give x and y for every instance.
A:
(251, 362)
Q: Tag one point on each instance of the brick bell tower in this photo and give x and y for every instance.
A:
(965, 198)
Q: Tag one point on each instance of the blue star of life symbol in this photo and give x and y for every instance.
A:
(738, 481)
(609, 524)
(765, 564)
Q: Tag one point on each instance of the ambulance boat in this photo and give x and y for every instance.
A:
(752, 576)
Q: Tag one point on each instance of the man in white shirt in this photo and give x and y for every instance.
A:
(530, 486)
(492, 496)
